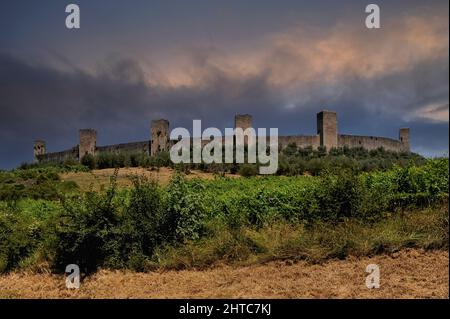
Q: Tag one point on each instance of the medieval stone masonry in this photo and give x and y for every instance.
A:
(327, 136)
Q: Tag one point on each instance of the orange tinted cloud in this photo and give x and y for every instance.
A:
(301, 55)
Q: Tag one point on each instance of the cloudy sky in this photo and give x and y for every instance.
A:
(282, 61)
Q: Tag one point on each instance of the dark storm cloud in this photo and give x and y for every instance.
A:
(377, 82)
(39, 101)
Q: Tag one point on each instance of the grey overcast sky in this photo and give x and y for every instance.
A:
(282, 61)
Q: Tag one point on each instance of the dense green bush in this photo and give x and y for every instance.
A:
(184, 209)
(143, 226)
(339, 195)
(86, 230)
(123, 230)
(88, 161)
(247, 170)
(118, 160)
(15, 242)
(25, 232)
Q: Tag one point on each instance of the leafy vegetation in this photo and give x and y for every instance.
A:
(36, 183)
(296, 161)
(112, 160)
(199, 222)
(292, 161)
(426, 229)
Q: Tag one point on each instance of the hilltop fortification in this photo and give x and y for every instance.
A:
(327, 136)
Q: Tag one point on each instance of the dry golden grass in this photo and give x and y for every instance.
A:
(100, 178)
(407, 274)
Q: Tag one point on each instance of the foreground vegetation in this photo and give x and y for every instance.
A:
(426, 229)
(197, 223)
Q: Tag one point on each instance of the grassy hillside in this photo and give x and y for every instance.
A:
(198, 222)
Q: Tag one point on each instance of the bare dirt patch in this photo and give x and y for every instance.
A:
(407, 274)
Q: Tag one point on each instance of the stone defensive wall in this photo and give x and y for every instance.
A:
(370, 142)
(327, 137)
(70, 154)
(299, 141)
(135, 147)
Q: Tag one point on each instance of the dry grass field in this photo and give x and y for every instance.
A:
(407, 274)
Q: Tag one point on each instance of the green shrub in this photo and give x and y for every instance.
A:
(20, 237)
(86, 233)
(89, 161)
(143, 227)
(100, 229)
(184, 210)
(247, 170)
(104, 160)
(338, 195)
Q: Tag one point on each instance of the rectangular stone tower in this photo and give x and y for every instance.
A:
(39, 149)
(243, 121)
(327, 129)
(403, 136)
(160, 136)
(88, 143)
